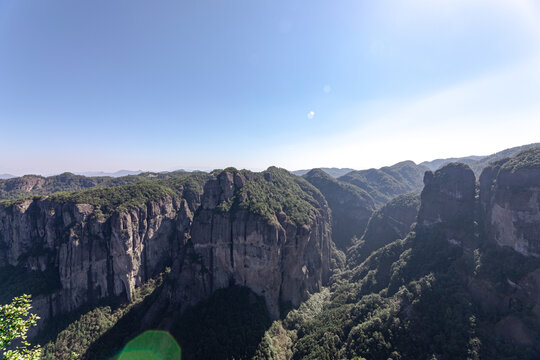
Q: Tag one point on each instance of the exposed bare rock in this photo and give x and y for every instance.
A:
(93, 256)
(269, 232)
(448, 203)
(510, 194)
(279, 258)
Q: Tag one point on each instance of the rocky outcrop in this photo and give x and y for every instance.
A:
(510, 196)
(506, 276)
(276, 257)
(269, 232)
(93, 256)
(448, 204)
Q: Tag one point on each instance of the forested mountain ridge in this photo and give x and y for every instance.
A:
(478, 163)
(30, 185)
(237, 264)
(387, 182)
(13, 187)
(391, 222)
(351, 206)
(404, 177)
(333, 172)
(451, 289)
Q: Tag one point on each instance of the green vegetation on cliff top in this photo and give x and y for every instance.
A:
(116, 198)
(529, 158)
(277, 191)
(267, 194)
(29, 185)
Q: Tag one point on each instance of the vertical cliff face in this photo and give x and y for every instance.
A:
(269, 232)
(448, 204)
(509, 202)
(234, 242)
(92, 255)
(506, 277)
(510, 194)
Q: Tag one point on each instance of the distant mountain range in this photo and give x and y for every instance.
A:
(113, 174)
(438, 163)
(381, 184)
(333, 172)
(477, 163)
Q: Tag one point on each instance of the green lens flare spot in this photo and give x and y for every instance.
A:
(151, 345)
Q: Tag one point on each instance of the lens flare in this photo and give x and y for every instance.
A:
(151, 345)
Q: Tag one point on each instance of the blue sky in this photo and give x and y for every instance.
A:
(162, 85)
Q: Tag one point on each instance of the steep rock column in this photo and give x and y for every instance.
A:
(274, 257)
(448, 204)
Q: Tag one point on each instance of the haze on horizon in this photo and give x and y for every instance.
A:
(104, 86)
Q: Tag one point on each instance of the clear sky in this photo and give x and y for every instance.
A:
(161, 85)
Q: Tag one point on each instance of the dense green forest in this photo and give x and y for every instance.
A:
(387, 182)
(351, 206)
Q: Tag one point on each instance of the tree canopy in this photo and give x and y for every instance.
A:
(15, 320)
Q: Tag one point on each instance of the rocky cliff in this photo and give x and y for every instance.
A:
(510, 194)
(499, 232)
(239, 238)
(92, 254)
(450, 289)
(269, 232)
(448, 204)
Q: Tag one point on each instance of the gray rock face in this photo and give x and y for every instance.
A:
(448, 203)
(510, 196)
(93, 256)
(210, 241)
(278, 259)
(508, 208)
